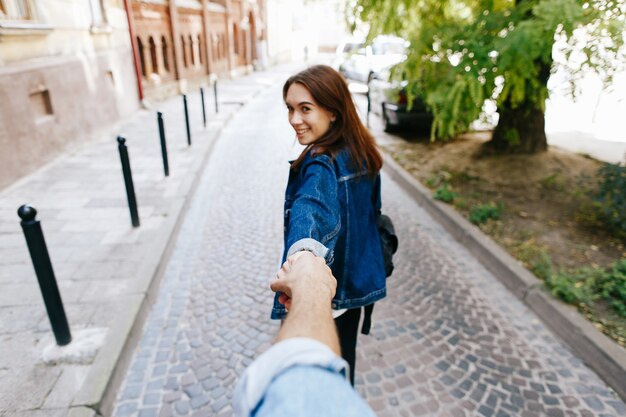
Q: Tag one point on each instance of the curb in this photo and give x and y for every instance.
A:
(595, 349)
(98, 394)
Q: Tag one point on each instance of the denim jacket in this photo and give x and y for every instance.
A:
(330, 210)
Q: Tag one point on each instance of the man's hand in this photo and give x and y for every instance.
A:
(304, 274)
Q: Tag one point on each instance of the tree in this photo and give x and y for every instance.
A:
(464, 52)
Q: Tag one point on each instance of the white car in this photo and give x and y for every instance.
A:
(360, 61)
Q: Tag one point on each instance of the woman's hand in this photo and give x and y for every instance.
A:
(303, 273)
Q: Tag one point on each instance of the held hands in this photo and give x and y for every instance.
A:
(304, 275)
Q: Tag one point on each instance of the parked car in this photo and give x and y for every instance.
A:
(388, 99)
(360, 61)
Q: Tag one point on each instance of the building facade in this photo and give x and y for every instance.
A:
(69, 68)
(182, 43)
(65, 71)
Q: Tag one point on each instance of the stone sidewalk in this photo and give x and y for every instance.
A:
(104, 267)
(449, 340)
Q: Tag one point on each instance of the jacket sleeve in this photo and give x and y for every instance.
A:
(314, 219)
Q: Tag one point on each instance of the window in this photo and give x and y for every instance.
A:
(17, 9)
(200, 49)
(153, 55)
(166, 59)
(183, 46)
(141, 57)
(97, 12)
(192, 51)
(235, 39)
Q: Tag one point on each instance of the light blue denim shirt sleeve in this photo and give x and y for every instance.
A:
(297, 377)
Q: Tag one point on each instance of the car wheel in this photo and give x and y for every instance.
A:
(387, 126)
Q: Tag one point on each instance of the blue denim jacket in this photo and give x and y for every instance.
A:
(330, 210)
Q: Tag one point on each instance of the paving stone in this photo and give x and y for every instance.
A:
(182, 406)
(594, 403)
(485, 411)
(148, 412)
(132, 392)
(199, 401)
(126, 409)
(151, 399)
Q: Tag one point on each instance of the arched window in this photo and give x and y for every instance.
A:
(153, 55)
(235, 39)
(192, 51)
(183, 48)
(200, 49)
(166, 58)
(141, 56)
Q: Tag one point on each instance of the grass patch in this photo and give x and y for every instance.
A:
(480, 213)
(445, 193)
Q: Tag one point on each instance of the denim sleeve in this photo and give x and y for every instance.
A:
(315, 220)
(309, 391)
(268, 372)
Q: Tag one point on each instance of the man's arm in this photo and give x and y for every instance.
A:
(302, 374)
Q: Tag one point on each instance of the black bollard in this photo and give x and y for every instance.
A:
(166, 166)
(203, 110)
(369, 108)
(128, 180)
(215, 96)
(187, 120)
(45, 275)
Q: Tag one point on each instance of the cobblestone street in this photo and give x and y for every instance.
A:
(449, 339)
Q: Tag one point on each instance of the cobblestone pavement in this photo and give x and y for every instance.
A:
(449, 340)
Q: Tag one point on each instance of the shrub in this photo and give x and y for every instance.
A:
(535, 257)
(611, 198)
(586, 285)
(612, 287)
(483, 212)
(573, 288)
(445, 193)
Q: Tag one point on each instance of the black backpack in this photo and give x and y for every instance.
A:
(388, 240)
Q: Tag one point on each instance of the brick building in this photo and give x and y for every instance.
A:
(184, 42)
(68, 67)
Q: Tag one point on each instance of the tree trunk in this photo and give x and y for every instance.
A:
(522, 129)
(519, 130)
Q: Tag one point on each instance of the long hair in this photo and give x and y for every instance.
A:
(330, 91)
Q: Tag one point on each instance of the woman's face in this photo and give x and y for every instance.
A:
(308, 119)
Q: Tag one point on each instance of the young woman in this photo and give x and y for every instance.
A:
(333, 196)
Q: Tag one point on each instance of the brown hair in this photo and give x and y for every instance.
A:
(330, 91)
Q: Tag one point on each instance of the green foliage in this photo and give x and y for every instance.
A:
(445, 193)
(465, 52)
(553, 182)
(535, 257)
(610, 201)
(589, 285)
(572, 288)
(483, 212)
(612, 287)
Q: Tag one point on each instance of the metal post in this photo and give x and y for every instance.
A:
(187, 120)
(45, 275)
(128, 180)
(215, 95)
(203, 110)
(166, 166)
(369, 107)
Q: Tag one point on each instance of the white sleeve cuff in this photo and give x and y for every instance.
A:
(309, 244)
(290, 352)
